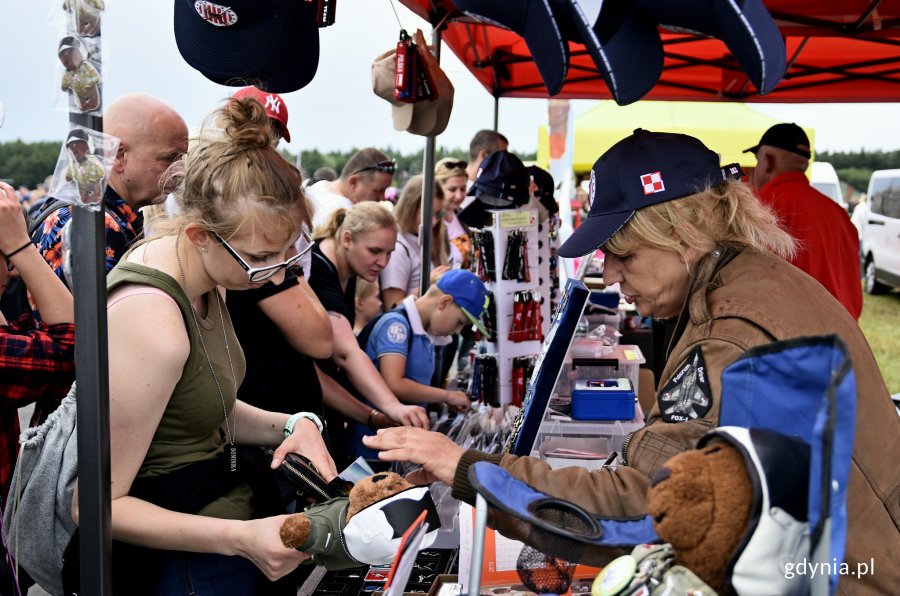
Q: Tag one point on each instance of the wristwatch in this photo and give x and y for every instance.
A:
(289, 425)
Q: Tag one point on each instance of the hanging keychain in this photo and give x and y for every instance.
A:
(524, 271)
(527, 333)
(405, 74)
(518, 380)
(516, 323)
(490, 318)
(538, 330)
(511, 257)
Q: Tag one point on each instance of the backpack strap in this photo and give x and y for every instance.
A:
(366, 333)
(52, 205)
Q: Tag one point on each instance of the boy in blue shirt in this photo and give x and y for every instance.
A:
(401, 347)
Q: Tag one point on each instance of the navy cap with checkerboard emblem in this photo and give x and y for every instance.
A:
(643, 169)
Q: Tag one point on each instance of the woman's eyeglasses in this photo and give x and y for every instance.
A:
(259, 274)
(387, 166)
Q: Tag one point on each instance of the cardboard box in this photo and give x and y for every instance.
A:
(446, 585)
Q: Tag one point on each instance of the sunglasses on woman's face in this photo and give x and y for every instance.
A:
(260, 274)
(387, 167)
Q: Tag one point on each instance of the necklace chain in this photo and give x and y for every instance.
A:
(229, 428)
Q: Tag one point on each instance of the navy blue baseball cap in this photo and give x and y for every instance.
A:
(787, 136)
(745, 26)
(643, 169)
(545, 187)
(273, 44)
(502, 183)
(468, 293)
(623, 42)
(534, 21)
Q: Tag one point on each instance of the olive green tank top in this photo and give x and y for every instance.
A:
(192, 427)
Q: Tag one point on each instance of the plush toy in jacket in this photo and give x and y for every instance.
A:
(741, 497)
(700, 502)
(364, 528)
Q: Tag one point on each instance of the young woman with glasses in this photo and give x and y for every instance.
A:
(179, 484)
(283, 328)
(355, 243)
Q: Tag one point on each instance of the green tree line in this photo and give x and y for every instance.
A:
(30, 163)
(856, 167)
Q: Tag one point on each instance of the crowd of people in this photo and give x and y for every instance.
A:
(263, 309)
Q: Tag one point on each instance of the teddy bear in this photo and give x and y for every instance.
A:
(364, 527)
(735, 510)
(700, 502)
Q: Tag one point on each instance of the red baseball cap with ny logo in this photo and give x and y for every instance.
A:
(276, 109)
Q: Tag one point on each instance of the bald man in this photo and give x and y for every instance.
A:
(151, 137)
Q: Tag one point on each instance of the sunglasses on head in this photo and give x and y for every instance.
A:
(259, 274)
(386, 166)
(452, 164)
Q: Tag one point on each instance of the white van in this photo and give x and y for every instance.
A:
(825, 180)
(880, 233)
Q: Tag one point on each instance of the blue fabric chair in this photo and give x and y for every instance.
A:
(802, 388)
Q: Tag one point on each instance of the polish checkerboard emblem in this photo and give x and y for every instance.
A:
(652, 183)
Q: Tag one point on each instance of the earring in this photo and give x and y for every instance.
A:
(717, 253)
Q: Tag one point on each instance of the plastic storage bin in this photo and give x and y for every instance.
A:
(603, 399)
(591, 360)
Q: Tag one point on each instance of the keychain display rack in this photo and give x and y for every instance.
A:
(507, 224)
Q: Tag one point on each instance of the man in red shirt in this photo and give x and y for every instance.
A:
(828, 243)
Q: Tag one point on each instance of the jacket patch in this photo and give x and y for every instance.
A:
(687, 395)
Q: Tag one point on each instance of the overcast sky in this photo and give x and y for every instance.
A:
(337, 110)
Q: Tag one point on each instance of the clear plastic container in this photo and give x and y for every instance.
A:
(592, 360)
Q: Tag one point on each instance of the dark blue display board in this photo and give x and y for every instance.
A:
(547, 368)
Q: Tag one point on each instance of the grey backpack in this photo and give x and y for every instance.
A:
(38, 516)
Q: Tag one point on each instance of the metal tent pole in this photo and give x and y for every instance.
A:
(496, 113)
(425, 237)
(92, 375)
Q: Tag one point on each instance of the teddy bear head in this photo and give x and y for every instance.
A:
(374, 488)
(740, 497)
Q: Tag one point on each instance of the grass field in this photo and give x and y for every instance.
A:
(880, 321)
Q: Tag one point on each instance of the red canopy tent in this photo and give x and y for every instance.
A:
(837, 51)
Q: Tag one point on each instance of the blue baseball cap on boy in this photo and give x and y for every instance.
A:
(468, 293)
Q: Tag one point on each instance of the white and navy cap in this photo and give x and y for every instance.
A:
(77, 134)
(534, 21)
(745, 26)
(622, 40)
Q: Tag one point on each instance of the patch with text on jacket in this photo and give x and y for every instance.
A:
(687, 395)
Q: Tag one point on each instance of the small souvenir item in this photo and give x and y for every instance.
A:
(85, 168)
(81, 79)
